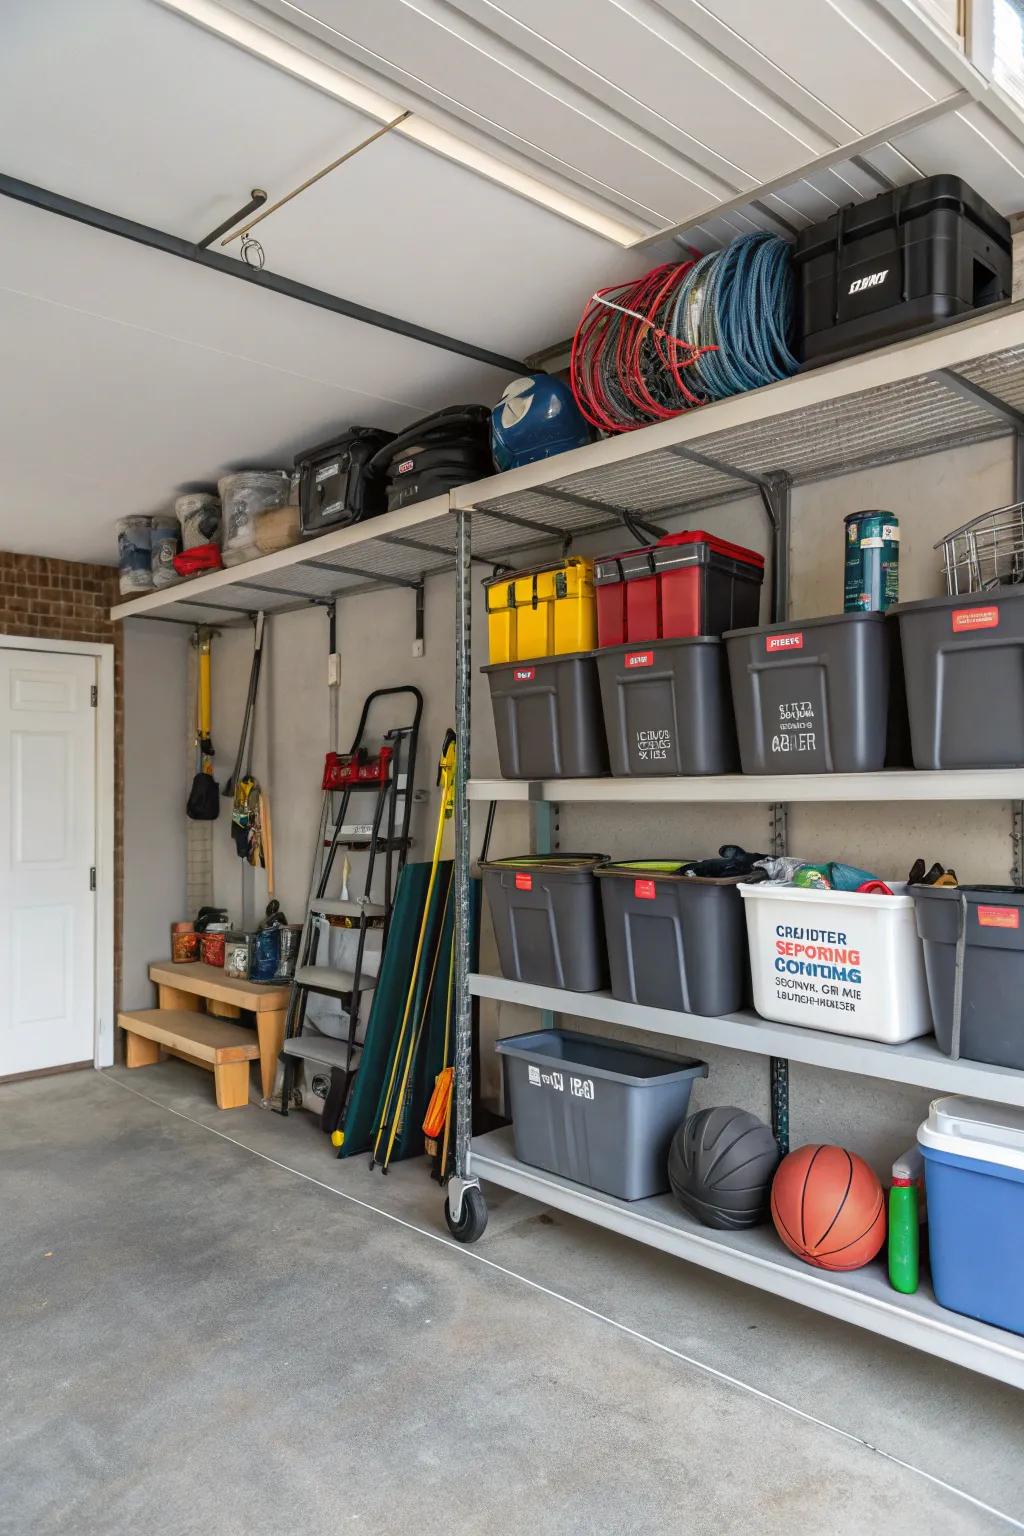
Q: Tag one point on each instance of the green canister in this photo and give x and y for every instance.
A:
(871, 575)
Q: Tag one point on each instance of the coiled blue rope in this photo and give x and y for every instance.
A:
(740, 301)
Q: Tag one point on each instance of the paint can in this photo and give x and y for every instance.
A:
(238, 955)
(199, 515)
(211, 949)
(134, 540)
(266, 954)
(184, 943)
(165, 541)
(871, 570)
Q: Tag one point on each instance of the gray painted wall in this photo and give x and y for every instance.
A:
(156, 719)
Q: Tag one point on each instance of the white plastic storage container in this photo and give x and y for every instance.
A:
(838, 961)
(974, 1180)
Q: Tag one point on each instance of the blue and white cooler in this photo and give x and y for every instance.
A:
(974, 1178)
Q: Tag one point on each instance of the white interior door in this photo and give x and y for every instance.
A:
(47, 852)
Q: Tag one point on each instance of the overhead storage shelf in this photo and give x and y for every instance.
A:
(863, 1297)
(765, 789)
(961, 384)
(919, 1062)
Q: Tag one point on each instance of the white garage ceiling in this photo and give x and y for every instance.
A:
(127, 375)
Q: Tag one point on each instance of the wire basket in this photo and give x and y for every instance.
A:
(987, 552)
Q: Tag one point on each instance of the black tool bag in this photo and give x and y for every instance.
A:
(337, 484)
(445, 449)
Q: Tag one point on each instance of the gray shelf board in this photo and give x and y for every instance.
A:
(917, 1062)
(757, 1257)
(738, 788)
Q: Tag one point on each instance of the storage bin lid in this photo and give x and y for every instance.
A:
(645, 560)
(635, 1065)
(799, 624)
(566, 563)
(988, 599)
(533, 663)
(663, 869)
(989, 1133)
(560, 863)
(884, 211)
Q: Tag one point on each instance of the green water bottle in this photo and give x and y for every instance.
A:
(905, 1222)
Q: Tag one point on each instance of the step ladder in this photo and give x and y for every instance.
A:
(389, 775)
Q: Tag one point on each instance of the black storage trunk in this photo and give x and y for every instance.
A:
(667, 708)
(985, 924)
(547, 717)
(964, 663)
(899, 264)
(674, 941)
(336, 483)
(814, 697)
(546, 912)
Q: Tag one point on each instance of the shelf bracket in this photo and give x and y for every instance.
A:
(760, 482)
(631, 521)
(979, 396)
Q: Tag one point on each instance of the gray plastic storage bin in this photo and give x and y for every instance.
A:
(812, 696)
(986, 924)
(667, 708)
(674, 941)
(599, 1113)
(964, 663)
(547, 920)
(547, 717)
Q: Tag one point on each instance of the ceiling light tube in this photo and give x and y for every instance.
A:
(283, 55)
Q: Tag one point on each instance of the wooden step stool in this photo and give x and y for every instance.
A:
(224, 1049)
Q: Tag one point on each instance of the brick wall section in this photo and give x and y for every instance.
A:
(65, 600)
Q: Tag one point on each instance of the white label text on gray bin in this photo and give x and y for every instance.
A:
(653, 746)
(579, 1087)
(796, 717)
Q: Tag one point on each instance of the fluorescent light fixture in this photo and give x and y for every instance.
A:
(283, 55)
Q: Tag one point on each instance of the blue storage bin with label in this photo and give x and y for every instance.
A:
(974, 1180)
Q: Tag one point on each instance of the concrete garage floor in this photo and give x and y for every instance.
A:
(197, 1339)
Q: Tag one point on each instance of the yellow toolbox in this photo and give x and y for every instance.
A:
(549, 611)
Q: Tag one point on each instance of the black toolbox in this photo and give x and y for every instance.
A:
(437, 453)
(901, 263)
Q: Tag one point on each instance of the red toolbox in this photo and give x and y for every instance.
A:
(685, 585)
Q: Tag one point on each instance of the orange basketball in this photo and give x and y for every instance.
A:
(828, 1207)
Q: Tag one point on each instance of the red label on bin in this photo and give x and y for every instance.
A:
(794, 642)
(640, 659)
(644, 890)
(523, 882)
(525, 674)
(999, 917)
(974, 618)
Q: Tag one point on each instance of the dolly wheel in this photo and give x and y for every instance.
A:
(473, 1220)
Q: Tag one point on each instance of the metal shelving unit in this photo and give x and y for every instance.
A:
(919, 1062)
(957, 386)
(751, 789)
(863, 1297)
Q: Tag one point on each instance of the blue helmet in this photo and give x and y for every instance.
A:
(535, 418)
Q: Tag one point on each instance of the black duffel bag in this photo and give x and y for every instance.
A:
(443, 450)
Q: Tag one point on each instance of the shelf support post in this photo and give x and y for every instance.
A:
(775, 491)
(461, 1178)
